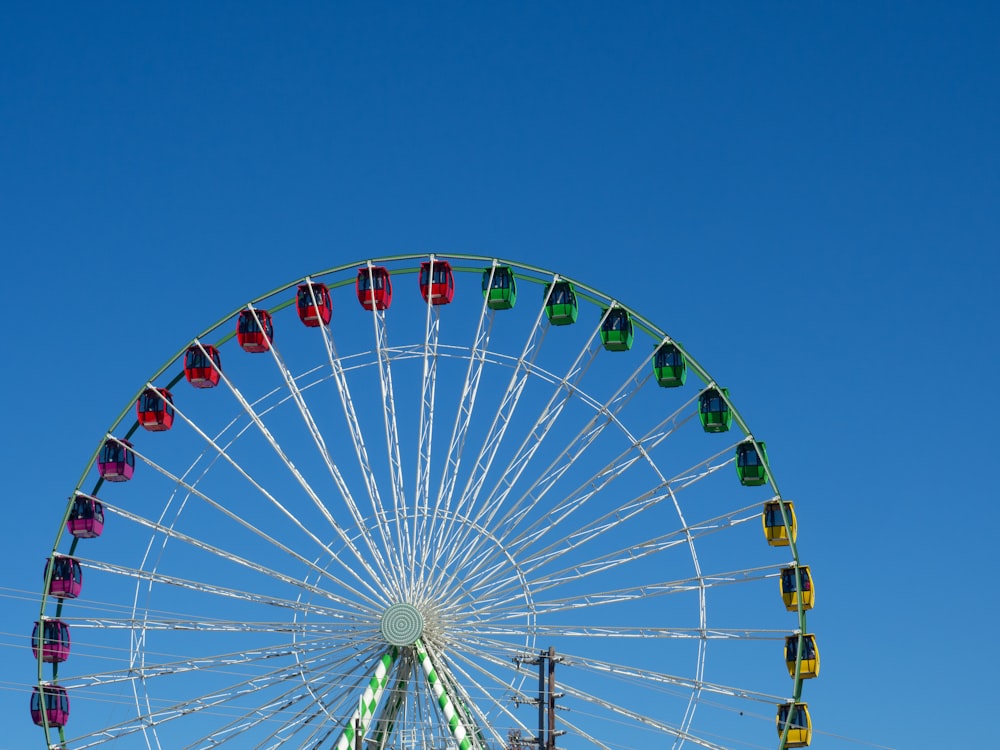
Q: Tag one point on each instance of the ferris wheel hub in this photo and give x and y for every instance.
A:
(402, 624)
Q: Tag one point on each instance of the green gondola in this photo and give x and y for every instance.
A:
(501, 293)
(669, 366)
(617, 334)
(561, 307)
(713, 406)
(751, 465)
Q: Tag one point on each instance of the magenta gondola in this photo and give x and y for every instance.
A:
(67, 577)
(314, 305)
(255, 330)
(374, 288)
(56, 705)
(86, 517)
(116, 461)
(154, 409)
(202, 365)
(437, 283)
(54, 641)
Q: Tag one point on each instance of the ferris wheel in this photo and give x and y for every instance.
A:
(427, 502)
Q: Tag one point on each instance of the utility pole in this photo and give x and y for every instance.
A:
(552, 699)
(547, 733)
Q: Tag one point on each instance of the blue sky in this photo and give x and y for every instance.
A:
(805, 195)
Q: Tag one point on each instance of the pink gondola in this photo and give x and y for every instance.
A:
(86, 517)
(56, 700)
(54, 641)
(374, 288)
(67, 577)
(116, 461)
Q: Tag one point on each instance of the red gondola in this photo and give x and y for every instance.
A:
(202, 365)
(86, 518)
(56, 712)
(54, 641)
(254, 330)
(116, 462)
(437, 284)
(155, 409)
(314, 305)
(374, 288)
(67, 577)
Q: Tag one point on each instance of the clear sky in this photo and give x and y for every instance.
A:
(806, 195)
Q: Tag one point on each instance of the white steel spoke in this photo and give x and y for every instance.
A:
(192, 490)
(331, 466)
(267, 712)
(620, 710)
(546, 419)
(368, 474)
(223, 454)
(473, 635)
(604, 416)
(211, 700)
(224, 591)
(650, 679)
(639, 449)
(632, 593)
(289, 464)
(562, 509)
(223, 662)
(428, 392)
(345, 631)
(553, 519)
(463, 418)
(533, 559)
(328, 710)
(614, 559)
(384, 360)
(498, 429)
(238, 559)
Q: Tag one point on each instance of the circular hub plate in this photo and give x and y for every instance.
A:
(402, 624)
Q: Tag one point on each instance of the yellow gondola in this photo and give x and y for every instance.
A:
(774, 522)
(796, 716)
(790, 591)
(809, 664)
